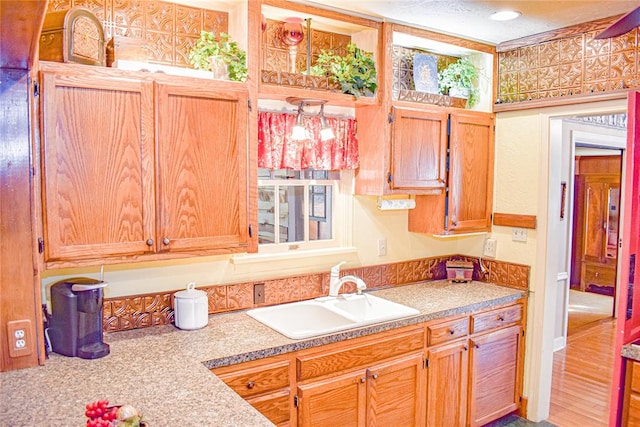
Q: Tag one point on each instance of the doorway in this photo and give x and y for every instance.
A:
(592, 170)
(590, 175)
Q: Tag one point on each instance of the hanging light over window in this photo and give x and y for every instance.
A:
(299, 132)
(326, 132)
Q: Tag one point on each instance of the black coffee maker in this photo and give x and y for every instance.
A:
(75, 325)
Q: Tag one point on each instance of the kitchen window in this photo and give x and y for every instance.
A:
(298, 209)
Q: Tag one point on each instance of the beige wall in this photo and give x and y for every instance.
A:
(369, 224)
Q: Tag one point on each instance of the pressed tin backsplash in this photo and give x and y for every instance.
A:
(140, 311)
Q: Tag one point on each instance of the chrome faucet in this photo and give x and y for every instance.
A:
(336, 282)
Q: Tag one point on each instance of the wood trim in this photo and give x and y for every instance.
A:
(597, 25)
(514, 220)
(561, 101)
(324, 12)
(444, 38)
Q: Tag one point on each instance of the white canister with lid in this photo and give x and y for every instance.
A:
(190, 308)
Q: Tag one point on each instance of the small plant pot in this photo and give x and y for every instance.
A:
(219, 68)
(459, 92)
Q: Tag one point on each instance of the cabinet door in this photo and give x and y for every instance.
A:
(495, 375)
(202, 168)
(395, 393)
(98, 165)
(471, 148)
(447, 375)
(418, 150)
(338, 400)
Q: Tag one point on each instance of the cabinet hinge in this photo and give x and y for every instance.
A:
(40, 245)
(296, 401)
(449, 126)
(391, 118)
(249, 104)
(426, 363)
(522, 332)
(389, 177)
(36, 89)
(250, 231)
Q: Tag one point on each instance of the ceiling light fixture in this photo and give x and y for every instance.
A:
(299, 132)
(504, 15)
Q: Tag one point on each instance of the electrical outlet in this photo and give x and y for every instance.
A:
(258, 293)
(382, 246)
(20, 339)
(490, 247)
(519, 234)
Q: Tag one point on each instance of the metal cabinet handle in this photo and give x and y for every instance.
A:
(149, 242)
(251, 385)
(362, 379)
(501, 318)
(374, 376)
(166, 241)
(451, 331)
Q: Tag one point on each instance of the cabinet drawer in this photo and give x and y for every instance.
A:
(599, 275)
(497, 318)
(353, 356)
(448, 331)
(256, 379)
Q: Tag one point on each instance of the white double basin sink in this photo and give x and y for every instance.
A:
(325, 315)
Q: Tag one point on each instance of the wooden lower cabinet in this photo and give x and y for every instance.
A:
(382, 395)
(459, 371)
(447, 379)
(342, 397)
(631, 409)
(495, 372)
(265, 384)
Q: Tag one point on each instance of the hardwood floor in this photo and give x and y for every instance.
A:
(582, 375)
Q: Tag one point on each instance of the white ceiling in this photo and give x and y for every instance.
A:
(470, 18)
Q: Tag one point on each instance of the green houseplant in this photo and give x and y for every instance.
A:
(208, 45)
(460, 79)
(355, 72)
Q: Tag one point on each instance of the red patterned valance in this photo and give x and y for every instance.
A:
(276, 149)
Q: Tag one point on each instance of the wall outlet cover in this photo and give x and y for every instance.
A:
(490, 247)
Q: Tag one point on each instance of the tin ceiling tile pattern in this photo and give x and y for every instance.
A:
(580, 65)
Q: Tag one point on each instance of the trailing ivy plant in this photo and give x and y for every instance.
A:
(355, 72)
(461, 74)
(209, 45)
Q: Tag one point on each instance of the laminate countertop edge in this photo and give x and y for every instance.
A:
(164, 371)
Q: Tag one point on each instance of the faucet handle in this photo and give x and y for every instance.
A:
(335, 270)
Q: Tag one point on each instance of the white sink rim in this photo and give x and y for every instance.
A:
(335, 318)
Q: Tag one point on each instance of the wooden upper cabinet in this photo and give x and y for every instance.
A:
(466, 206)
(471, 147)
(418, 149)
(138, 167)
(97, 144)
(202, 168)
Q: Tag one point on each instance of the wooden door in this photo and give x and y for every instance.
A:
(494, 388)
(395, 393)
(98, 195)
(471, 151)
(418, 150)
(337, 400)
(202, 180)
(628, 314)
(447, 374)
